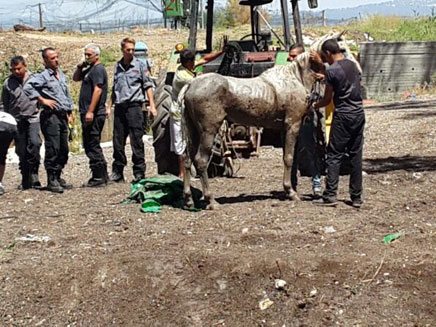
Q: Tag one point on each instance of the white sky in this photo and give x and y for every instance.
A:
(16, 9)
(334, 4)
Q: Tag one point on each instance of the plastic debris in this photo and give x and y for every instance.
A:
(313, 292)
(329, 230)
(265, 304)
(279, 284)
(389, 238)
(34, 238)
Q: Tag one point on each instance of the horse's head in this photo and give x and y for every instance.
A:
(307, 66)
(345, 49)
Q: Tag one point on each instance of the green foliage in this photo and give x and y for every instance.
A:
(422, 29)
(109, 56)
(394, 28)
(4, 73)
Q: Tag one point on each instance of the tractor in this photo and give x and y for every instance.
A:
(245, 58)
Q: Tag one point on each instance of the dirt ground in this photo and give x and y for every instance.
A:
(107, 264)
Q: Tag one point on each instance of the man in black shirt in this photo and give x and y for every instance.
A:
(342, 79)
(92, 108)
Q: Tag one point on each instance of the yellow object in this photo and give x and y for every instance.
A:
(328, 120)
(180, 47)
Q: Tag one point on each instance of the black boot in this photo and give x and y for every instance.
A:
(34, 179)
(53, 183)
(25, 180)
(62, 182)
(98, 178)
(105, 174)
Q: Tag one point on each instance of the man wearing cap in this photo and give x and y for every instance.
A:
(51, 90)
(131, 85)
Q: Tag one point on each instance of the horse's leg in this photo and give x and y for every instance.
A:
(191, 150)
(189, 202)
(288, 156)
(201, 162)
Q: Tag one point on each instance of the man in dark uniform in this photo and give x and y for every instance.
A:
(131, 84)
(342, 81)
(51, 90)
(92, 108)
(25, 112)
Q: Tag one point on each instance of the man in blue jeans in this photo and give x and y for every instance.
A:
(342, 81)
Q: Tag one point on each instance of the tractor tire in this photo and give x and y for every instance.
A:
(167, 161)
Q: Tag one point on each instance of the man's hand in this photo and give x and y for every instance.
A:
(153, 111)
(52, 104)
(70, 118)
(319, 76)
(89, 117)
(315, 57)
(108, 111)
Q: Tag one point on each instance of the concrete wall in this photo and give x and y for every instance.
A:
(392, 67)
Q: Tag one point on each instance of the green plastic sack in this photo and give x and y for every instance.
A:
(160, 190)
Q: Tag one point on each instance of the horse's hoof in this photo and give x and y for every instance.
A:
(212, 206)
(294, 197)
(189, 204)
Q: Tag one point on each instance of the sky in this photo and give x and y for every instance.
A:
(25, 9)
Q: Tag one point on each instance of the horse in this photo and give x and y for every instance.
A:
(276, 99)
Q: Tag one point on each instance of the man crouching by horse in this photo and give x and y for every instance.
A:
(342, 80)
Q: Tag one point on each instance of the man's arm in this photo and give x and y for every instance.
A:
(151, 100)
(328, 93)
(209, 57)
(33, 88)
(96, 94)
(5, 98)
(77, 76)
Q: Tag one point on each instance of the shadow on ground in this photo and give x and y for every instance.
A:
(251, 197)
(417, 115)
(410, 163)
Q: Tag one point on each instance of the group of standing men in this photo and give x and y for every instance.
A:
(42, 101)
(24, 94)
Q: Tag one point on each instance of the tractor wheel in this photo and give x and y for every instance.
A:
(166, 160)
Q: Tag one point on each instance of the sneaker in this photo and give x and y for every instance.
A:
(357, 203)
(116, 177)
(2, 190)
(317, 194)
(137, 178)
(326, 202)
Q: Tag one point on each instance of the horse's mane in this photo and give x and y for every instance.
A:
(292, 69)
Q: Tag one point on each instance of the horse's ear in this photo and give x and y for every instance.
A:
(339, 37)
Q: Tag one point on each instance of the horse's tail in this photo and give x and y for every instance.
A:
(187, 121)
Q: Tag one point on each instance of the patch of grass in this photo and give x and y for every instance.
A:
(109, 56)
(394, 28)
(4, 73)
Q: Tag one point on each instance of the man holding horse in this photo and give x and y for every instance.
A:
(342, 80)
